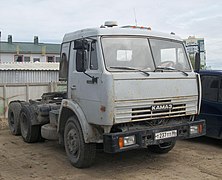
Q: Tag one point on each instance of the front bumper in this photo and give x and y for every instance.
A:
(146, 136)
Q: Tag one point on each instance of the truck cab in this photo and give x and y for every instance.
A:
(131, 85)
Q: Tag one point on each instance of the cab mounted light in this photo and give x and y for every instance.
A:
(137, 27)
(110, 23)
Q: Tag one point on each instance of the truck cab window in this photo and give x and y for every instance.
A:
(127, 52)
(93, 57)
(63, 66)
(169, 54)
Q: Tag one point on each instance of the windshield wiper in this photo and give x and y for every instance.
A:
(129, 68)
(169, 68)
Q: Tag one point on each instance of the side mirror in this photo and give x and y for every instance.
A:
(81, 44)
(197, 62)
(81, 60)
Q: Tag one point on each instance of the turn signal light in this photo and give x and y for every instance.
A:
(121, 142)
(200, 128)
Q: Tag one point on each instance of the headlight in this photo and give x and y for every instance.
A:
(127, 141)
(193, 129)
(196, 129)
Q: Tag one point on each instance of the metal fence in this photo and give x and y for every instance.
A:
(29, 72)
(12, 76)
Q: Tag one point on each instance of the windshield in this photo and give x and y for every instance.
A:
(133, 53)
(168, 54)
(127, 52)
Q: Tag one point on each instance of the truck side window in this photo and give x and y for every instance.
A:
(63, 66)
(93, 57)
(210, 87)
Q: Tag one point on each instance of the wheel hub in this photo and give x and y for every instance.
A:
(73, 142)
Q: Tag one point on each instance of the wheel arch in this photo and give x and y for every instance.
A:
(70, 108)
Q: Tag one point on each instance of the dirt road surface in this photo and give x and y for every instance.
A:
(191, 159)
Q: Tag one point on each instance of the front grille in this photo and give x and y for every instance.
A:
(144, 113)
(139, 110)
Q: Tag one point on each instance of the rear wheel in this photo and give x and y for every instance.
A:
(30, 133)
(80, 154)
(13, 117)
(162, 148)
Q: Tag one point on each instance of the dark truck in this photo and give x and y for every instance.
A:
(211, 103)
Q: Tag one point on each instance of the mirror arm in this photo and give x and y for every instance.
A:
(94, 79)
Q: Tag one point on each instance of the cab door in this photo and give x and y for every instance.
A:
(85, 79)
(211, 105)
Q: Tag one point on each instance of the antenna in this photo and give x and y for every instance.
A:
(134, 10)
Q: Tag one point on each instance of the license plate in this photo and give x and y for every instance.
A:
(165, 134)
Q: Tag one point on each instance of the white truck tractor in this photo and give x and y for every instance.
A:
(127, 88)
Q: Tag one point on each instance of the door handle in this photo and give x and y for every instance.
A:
(73, 87)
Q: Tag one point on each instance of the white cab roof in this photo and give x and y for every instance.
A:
(116, 31)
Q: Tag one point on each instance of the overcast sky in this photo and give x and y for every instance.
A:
(51, 19)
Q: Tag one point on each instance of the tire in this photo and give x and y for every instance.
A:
(29, 132)
(80, 154)
(13, 117)
(162, 148)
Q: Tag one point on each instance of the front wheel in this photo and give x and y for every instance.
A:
(162, 148)
(80, 154)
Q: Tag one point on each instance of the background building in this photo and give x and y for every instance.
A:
(193, 45)
(28, 51)
(25, 73)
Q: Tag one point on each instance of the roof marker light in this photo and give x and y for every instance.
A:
(137, 27)
(110, 23)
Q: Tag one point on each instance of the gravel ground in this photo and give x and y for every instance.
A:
(199, 158)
